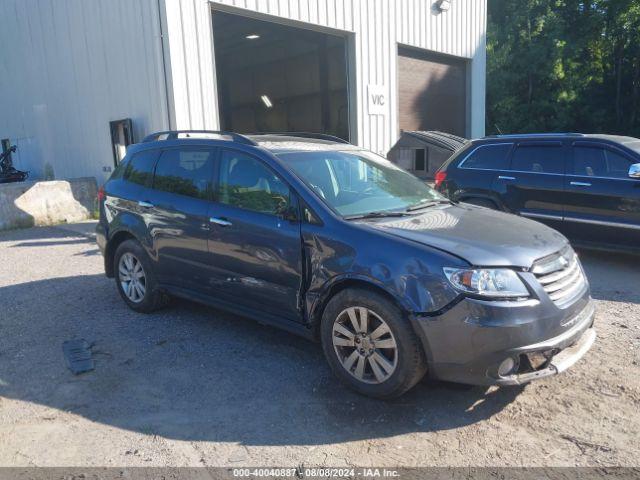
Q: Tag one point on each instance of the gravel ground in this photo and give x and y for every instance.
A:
(194, 386)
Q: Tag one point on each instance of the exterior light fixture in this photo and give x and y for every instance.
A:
(266, 101)
(253, 36)
(443, 5)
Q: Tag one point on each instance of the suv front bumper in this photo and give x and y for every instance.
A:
(469, 342)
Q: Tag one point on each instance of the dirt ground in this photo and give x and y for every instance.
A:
(191, 386)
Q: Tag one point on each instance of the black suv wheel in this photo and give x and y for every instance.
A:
(370, 345)
(135, 279)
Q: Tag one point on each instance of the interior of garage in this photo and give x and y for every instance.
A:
(278, 78)
(432, 92)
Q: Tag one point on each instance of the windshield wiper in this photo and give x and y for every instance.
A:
(429, 204)
(364, 216)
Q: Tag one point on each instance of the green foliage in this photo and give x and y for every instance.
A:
(563, 65)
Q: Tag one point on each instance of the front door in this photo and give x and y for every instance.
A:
(602, 202)
(533, 187)
(177, 213)
(255, 253)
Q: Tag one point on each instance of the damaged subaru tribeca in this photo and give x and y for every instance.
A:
(332, 242)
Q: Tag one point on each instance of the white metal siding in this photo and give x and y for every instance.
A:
(377, 26)
(68, 67)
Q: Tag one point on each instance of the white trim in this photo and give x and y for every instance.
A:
(602, 223)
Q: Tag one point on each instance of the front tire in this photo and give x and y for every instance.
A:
(135, 279)
(370, 344)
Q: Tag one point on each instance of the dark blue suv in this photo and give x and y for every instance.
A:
(585, 186)
(335, 243)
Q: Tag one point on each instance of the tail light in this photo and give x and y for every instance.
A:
(440, 177)
(101, 194)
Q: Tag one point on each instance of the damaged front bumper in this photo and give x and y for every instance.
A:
(473, 341)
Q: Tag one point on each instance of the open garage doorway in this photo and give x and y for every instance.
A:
(278, 78)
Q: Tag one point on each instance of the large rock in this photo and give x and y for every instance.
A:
(27, 204)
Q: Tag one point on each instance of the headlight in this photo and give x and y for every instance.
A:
(487, 282)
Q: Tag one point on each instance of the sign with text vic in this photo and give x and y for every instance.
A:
(377, 99)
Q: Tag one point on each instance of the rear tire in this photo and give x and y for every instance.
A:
(381, 357)
(135, 278)
(481, 202)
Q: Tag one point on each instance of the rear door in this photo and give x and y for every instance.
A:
(475, 175)
(533, 187)
(255, 251)
(177, 215)
(602, 202)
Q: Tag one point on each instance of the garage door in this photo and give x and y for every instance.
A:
(278, 78)
(431, 92)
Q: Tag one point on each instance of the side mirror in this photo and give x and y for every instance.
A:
(634, 170)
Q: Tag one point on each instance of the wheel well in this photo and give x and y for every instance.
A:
(316, 316)
(110, 251)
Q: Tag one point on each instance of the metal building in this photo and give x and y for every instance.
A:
(80, 79)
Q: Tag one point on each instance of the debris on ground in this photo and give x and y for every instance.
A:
(77, 355)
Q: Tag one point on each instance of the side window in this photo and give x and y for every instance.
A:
(594, 161)
(539, 158)
(186, 172)
(139, 169)
(617, 164)
(246, 182)
(488, 157)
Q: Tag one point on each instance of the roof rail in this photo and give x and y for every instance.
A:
(535, 135)
(173, 135)
(319, 136)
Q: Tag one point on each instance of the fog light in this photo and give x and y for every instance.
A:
(506, 367)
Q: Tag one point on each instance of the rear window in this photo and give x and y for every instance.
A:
(186, 172)
(139, 170)
(540, 158)
(490, 157)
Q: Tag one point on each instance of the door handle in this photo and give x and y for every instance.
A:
(502, 177)
(580, 184)
(144, 204)
(220, 221)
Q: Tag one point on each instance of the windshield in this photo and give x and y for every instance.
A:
(356, 183)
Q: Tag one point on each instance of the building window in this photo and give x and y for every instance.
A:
(121, 138)
(413, 159)
(420, 163)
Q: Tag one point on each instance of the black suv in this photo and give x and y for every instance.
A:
(586, 186)
(335, 243)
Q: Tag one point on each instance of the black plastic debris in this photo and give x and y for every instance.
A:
(77, 355)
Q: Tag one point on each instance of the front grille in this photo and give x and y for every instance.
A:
(561, 276)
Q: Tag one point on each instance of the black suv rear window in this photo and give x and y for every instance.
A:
(185, 172)
(140, 168)
(490, 157)
(539, 158)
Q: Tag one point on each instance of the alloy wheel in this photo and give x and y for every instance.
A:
(365, 345)
(132, 277)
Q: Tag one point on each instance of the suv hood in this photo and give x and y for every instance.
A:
(479, 235)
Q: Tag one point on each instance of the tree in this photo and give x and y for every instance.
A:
(563, 65)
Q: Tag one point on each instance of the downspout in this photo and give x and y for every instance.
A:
(167, 101)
